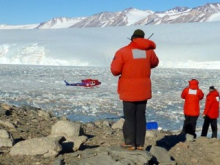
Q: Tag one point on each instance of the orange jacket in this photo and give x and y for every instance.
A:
(192, 96)
(133, 63)
(212, 105)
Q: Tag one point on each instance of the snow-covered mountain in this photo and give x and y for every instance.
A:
(56, 23)
(29, 26)
(130, 17)
(106, 19)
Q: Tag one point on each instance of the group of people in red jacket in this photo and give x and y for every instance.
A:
(133, 64)
(192, 95)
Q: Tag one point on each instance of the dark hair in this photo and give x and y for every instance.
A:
(138, 34)
(211, 88)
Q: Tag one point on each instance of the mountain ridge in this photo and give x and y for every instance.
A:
(131, 17)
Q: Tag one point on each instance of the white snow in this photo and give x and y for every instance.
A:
(189, 45)
(57, 23)
(214, 17)
(135, 15)
(28, 26)
(64, 25)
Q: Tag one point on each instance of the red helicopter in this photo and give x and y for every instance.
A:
(85, 83)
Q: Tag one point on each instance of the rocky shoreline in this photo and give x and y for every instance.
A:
(31, 136)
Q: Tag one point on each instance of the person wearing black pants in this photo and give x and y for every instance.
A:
(189, 125)
(134, 128)
(133, 64)
(192, 95)
(205, 127)
(211, 112)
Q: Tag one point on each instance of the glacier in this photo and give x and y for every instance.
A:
(189, 45)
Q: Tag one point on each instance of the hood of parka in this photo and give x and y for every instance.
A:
(143, 44)
(193, 84)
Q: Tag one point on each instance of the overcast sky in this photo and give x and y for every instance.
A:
(17, 12)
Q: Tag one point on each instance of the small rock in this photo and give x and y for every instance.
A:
(119, 124)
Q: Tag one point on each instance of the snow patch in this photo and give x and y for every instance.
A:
(214, 17)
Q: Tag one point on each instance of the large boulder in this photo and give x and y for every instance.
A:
(69, 130)
(46, 146)
(114, 156)
(6, 141)
(65, 128)
(73, 143)
(161, 155)
(100, 159)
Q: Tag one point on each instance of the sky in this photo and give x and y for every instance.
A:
(19, 12)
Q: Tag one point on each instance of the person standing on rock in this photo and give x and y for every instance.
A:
(211, 112)
(192, 95)
(133, 63)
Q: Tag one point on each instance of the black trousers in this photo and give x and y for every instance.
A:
(134, 128)
(189, 125)
(206, 124)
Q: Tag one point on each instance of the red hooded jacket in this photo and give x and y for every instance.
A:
(133, 63)
(212, 105)
(192, 96)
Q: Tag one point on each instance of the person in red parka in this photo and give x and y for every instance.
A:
(192, 95)
(133, 63)
(211, 112)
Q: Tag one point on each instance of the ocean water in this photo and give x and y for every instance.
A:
(44, 87)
